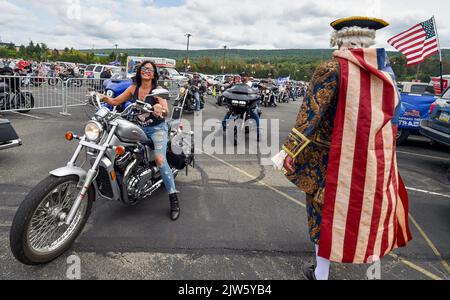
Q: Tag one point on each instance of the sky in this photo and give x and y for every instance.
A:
(239, 24)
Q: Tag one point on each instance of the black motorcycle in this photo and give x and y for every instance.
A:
(186, 98)
(8, 136)
(220, 89)
(241, 101)
(11, 96)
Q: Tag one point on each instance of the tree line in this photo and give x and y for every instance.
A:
(299, 64)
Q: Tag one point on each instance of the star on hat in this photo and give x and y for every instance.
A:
(363, 22)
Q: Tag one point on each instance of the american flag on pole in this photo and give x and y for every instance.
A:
(418, 42)
(365, 213)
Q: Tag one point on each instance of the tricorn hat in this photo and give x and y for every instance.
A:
(363, 22)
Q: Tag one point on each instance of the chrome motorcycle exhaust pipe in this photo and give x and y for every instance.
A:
(126, 176)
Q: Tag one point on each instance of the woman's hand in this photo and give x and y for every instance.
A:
(158, 110)
(289, 164)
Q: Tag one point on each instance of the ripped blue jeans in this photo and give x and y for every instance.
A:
(159, 135)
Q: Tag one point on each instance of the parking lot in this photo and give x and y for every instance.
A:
(240, 220)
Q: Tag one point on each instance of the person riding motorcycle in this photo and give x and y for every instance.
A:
(153, 124)
(267, 85)
(243, 79)
(196, 82)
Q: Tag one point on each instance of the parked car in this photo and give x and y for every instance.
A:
(416, 99)
(94, 71)
(437, 125)
(8, 136)
(223, 78)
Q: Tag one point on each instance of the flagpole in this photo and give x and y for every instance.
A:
(440, 55)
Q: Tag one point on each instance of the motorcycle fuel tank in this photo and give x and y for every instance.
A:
(130, 133)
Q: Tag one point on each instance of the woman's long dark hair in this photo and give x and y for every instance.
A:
(137, 80)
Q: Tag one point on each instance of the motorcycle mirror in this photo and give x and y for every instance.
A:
(162, 93)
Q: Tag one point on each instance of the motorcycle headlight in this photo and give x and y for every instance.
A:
(93, 131)
(242, 103)
(222, 88)
(267, 91)
(182, 91)
(235, 102)
(110, 93)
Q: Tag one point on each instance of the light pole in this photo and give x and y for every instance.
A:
(188, 35)
(224, 53)
(117, 54)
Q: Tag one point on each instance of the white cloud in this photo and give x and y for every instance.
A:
(237, 23)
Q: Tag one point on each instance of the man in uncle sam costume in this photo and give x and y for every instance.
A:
(342, 153)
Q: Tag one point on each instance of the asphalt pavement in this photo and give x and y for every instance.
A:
(240, 219)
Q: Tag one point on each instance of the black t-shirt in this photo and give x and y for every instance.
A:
(147, 119)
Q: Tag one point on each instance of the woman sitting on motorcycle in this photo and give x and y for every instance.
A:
(154, 125)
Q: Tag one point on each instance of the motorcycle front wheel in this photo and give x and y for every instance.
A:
(38, 233)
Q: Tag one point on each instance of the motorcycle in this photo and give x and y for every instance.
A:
(268, 97)
(187, 99)
(67, 79)
(283, 95)
(221, 88)
(11, 96)
(241, 101)
(121, 163)
(8, 136)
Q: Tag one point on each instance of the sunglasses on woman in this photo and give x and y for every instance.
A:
(147, 70)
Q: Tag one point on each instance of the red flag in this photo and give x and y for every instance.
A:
(418, 42)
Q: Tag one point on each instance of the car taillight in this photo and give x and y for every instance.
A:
(432, 106)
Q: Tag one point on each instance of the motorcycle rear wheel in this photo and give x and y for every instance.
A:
(26, 100)
(38, 233)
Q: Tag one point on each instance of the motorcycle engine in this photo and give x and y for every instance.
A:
(141, 182)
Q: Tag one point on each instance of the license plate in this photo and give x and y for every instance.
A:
(444, 118)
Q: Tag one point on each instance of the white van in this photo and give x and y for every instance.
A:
(94, 71)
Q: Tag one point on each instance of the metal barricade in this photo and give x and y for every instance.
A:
(76, 89)
(25, 93)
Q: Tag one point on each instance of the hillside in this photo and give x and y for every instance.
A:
(293, 55)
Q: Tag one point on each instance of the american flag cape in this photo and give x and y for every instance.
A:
(365, 213)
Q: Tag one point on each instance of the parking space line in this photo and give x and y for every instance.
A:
(426, 156)
(405, 262)
(27, 115)
(259, 181)
(7, 224)
(416, 267)
(431, 244)
(427, 192)
(8, 208)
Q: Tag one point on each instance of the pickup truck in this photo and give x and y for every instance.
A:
(415, 101)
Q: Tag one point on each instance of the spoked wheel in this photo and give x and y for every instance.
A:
(39, 233)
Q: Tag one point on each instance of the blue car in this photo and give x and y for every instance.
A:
(437, 125)
(416, 99)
